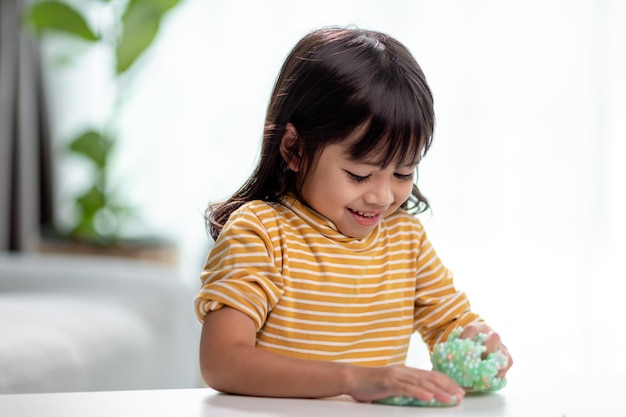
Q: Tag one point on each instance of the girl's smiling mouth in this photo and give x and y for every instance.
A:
(363, 218)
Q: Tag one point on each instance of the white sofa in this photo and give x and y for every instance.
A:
(79, 323)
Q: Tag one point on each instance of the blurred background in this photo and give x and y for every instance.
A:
(525, 178)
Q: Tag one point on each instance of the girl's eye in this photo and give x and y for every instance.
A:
(356, 178)
(404, 177)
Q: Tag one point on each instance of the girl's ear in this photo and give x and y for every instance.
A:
(288, 148)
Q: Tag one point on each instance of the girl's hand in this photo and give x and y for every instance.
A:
(369, 384)
(492, 343)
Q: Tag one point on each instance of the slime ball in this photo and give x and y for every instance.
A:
(461, 360)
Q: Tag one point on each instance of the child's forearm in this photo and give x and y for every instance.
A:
(253, 371)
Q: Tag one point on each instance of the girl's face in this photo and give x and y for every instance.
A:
(356, 195)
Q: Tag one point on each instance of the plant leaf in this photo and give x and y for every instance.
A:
(57, 16)
(93, 145)
(85, 229)
(91, 201)
(140, 25)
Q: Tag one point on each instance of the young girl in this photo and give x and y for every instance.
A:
(320, 273)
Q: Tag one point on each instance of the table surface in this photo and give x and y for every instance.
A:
(598, 394)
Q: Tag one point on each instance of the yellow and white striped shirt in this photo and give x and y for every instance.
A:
(315, 293)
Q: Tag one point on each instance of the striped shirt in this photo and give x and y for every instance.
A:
(315, 293)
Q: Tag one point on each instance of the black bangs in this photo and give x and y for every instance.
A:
(398, 130)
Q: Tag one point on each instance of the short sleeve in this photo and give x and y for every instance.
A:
(242, 270)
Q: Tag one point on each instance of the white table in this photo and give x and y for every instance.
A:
(587, 395)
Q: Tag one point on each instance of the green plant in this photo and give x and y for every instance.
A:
(131, 31)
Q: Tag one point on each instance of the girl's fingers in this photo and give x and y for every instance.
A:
(470, 332)
(492, 343)
(427, 385)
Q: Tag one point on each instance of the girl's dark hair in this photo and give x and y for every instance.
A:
(332, 82)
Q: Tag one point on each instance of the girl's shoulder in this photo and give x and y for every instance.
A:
(255, 217)
(289, 215)
(259, 209)
(256, 206)
(266, 213)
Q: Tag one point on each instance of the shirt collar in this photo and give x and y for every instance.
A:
(327, 227)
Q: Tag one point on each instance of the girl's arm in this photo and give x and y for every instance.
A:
(230, 362)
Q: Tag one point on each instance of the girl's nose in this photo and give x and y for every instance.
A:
(381, 194)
